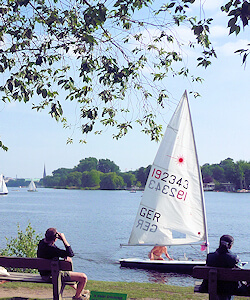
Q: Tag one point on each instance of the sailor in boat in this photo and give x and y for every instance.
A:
(157, 251)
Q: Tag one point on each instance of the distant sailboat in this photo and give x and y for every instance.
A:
(32, 187)
(3, 187)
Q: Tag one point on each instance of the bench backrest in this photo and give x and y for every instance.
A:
(34, 263)
(225, 274)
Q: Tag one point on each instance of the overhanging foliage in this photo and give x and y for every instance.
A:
(109, 57)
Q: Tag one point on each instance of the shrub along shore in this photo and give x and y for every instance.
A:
(134, 290)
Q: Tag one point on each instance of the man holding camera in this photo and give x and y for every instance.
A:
(48, 249)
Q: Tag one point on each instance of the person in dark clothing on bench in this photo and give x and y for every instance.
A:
(48, 249)
(224, 258)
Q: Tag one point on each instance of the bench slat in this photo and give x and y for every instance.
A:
(24, 277)
(225, 274)
(197, 290)
(32, 263)
(28, 277)
(213, 275)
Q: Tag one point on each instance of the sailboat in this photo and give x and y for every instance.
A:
(3, 187)
(172, 209)
(32, 186)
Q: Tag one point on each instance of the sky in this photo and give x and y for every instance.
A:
(221, 120)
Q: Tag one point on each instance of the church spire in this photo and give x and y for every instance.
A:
(44, 172)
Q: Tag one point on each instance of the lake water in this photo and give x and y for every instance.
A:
(96, 222)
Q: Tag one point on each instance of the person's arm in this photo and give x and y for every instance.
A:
(62, 237)
(151, 254)
(166, 253)
(69, 251)
(238, 263)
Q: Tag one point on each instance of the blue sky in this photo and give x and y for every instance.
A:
(220, 118)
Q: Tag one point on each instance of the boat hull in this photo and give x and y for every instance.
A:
(172, 266)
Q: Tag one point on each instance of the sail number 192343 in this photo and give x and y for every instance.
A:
(168, 184)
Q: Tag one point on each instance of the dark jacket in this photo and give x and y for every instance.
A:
(222, 259)
(225, 259)
(51, 252)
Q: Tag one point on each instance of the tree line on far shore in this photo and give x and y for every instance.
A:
(92, 173)
(104, 174)
(237, 174)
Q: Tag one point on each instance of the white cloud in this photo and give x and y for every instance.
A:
(228, 49)
(209, 4)
(218, 31)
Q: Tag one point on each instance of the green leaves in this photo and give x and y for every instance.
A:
(56, 110)
(95, 16)
(237, 9)
(23, 245)
(244, 53)
(239, 13)
(104, 58)
(2, 146)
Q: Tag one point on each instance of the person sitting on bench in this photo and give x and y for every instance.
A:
(224, 258)
(48, 249)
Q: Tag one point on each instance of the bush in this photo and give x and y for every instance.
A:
(24, 245)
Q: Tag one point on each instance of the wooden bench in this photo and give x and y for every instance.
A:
(56, 266)
(213, 274)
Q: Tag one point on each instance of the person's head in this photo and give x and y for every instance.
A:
(50, 235)
(226, 242)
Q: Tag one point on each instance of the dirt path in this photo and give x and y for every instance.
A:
(41, 293)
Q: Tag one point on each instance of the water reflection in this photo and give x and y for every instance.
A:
(156, 277)
(162, 277)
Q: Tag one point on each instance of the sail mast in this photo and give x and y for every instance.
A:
(200, 180)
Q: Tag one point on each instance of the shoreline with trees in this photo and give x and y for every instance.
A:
(104, 174)
(94, 174)
(227, 175)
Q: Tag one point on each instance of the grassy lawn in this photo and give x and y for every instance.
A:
(134, 290)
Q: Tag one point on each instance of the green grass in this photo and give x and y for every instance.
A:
(134, 290)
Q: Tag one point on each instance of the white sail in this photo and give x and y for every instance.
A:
(172, 210)
(3, 187)
(32, 186)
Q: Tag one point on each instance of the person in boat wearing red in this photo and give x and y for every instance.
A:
(157, 251)
(48, 249)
